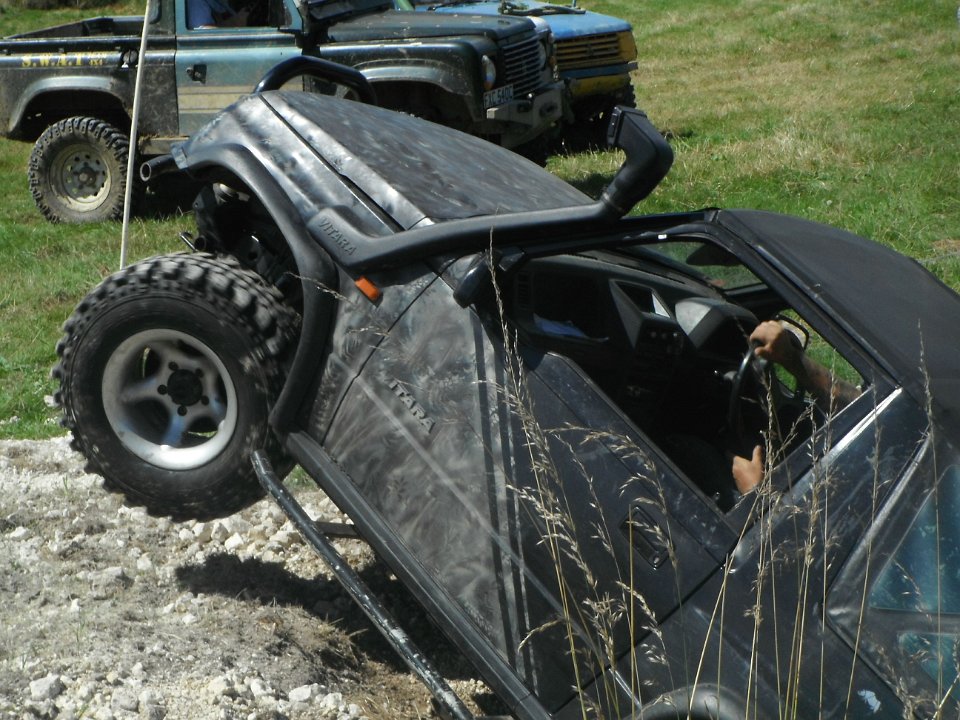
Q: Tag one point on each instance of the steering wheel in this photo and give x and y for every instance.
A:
(787, 413)
(753, 379)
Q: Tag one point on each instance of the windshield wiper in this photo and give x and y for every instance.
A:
(451, 3)
(512, 8)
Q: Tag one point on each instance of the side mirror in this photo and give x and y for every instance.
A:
(649, 158)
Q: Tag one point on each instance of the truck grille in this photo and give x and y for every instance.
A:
(590, 51)
(522, 65)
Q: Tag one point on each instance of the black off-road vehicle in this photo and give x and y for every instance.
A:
(527, 402)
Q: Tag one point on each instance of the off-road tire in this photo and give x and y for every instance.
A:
(167, 371)
(77, 171)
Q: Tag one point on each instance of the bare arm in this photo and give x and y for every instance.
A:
(776, 344)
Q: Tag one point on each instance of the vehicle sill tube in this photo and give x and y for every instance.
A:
(502, 678)
(447, 699)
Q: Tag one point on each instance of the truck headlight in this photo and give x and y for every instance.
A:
(489, 69)
(542, 55)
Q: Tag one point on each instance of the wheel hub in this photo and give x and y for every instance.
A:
(80, 177)
(170, 399)
(87, 179)
(184, 388)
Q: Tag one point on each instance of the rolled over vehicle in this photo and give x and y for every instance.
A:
(527, 402)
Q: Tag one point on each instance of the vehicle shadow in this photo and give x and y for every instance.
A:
(163, 198)
(263, 583)
(593, 184)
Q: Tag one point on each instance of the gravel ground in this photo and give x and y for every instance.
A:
(109, 613)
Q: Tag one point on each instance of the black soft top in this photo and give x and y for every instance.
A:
(894, 306)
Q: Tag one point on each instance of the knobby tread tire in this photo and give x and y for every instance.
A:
(102, 136)
(240, 301)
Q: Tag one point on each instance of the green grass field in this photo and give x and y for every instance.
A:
(848, 113)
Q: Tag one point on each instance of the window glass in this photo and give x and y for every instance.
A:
(665, 331)
(923, 574)
(915, 600)
(721, 269)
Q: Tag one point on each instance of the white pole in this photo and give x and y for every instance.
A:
(132, 152)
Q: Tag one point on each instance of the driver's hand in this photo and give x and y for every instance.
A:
(775, 343)
(747, 474)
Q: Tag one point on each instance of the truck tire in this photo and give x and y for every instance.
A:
(167, 371)
(77, 171)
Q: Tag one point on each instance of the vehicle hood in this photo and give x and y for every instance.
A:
(406, 24)
(326, 152)
(565, 21)
(899, 311)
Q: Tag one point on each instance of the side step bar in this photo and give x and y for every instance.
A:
(448, 703)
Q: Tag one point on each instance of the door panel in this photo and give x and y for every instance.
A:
(218, 65)
(553, 537)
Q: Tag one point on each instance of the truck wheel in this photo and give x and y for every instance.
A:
(168, 370)
(77, 171)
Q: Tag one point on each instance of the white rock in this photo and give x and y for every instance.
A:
(331, 701)
(234, 542)
(219, 533)
(19, 533)
(151, 705)
(149, 696)
(222, 687)
(305, 693)
(203, 532)
(124, 699)
(109, 577)
(259, 688)
(235, 524)
(258, 532)
(285, 538)
(46, 688)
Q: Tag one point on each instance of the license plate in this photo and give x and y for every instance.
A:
(501, 95)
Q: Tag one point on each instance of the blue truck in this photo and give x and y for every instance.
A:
(69, 89)
(595, 55)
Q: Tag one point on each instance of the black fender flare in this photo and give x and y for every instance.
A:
(103, 87)
(318, 274)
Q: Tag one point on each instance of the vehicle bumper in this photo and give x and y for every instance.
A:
(612, 84)
(523, 119)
